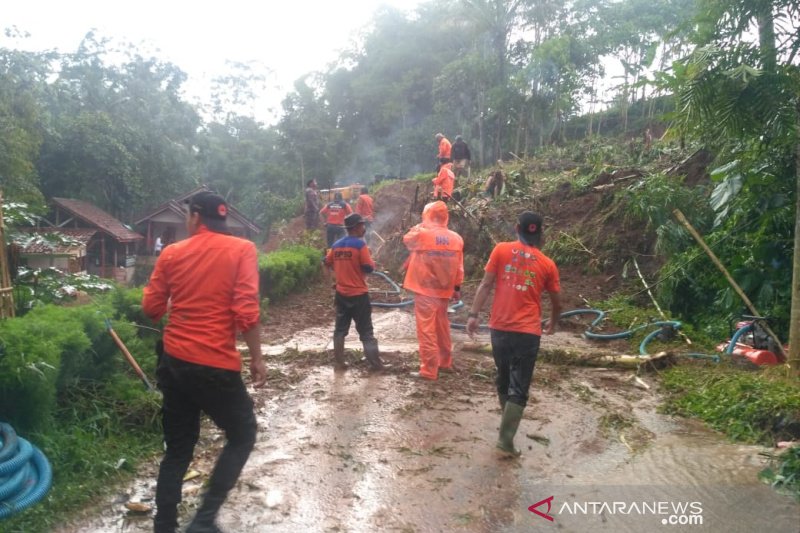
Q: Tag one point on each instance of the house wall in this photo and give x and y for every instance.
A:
(47, 261)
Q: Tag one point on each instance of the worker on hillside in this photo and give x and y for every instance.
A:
(350, 262)
(494, 184)
(334, 214)
(311, 211)
(444, 147)
(444, 183)
(208, 284)
(461, 157)
(435, 272)
(519, 272)
(365, 208)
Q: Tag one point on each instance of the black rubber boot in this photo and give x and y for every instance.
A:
(512, 415)
(338, 353)
(203, 521)
(372, 354)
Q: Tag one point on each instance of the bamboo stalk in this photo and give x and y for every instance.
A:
(658, 307)
(128, 356)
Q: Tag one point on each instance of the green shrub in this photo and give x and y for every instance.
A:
(288, 269)
(53, 348)
(746, 406)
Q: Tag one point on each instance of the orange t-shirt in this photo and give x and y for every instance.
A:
(212, 281)
(349, 257)
(335, 212)
(444, 148)
(522, 273)
(364, 207)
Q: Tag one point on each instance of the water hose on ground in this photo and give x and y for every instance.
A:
(25, 473)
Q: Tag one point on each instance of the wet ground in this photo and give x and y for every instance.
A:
(363, 452)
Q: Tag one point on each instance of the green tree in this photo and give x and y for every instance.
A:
(740, 97)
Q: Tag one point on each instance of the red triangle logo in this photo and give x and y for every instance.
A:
(548, 501)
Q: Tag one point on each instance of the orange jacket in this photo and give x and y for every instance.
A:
(445, 181)
(364, 207)
(350, 260)
(212, 282)
(335, 212)
(436, 263)
(444, 148)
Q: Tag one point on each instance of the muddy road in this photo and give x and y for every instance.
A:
(364, 452)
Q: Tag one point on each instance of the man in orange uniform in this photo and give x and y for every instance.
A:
(435, 272)
(364, 207)
(519, 273)
(208, 284)
(444, 182)
(350, 261)
(445, 147)
(334, 214)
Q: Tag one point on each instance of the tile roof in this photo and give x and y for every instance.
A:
(176, 205)
(81, 235)
(95, 216)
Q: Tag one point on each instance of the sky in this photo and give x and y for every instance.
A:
(287, 38)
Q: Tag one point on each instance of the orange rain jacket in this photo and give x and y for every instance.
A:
(444, 148)
(445, 181)
(436, 264)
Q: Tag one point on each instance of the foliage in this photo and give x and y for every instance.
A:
(784, 472)
(287, 269)
(34, 287)
(746, 406)
(652, 201)
(566, 249)
(98, 435)
(54, 348)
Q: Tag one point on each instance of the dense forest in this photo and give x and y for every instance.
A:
(112, 126)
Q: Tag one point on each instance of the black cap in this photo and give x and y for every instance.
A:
(530, 224)
(352, 220)
(212, 209)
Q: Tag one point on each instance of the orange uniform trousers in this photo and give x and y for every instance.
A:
(433, 334)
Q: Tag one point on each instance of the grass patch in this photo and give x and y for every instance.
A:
(751, 407)
(96, 443)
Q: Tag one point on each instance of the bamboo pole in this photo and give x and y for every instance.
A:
(683, 220)
(6, 296)
(658, 307)
(128, 356)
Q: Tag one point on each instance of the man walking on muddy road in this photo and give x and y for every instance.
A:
(519, 273)
(350, 261)
(435, 272)
(208, 284)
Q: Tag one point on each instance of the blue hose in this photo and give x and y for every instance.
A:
(25, 475)
(739, 332)
(589, 334)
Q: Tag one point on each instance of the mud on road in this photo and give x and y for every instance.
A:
(363, 452)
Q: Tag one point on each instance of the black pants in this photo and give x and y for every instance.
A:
(333, 233)
(353, 308)
(189, 389)
(515, 358)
